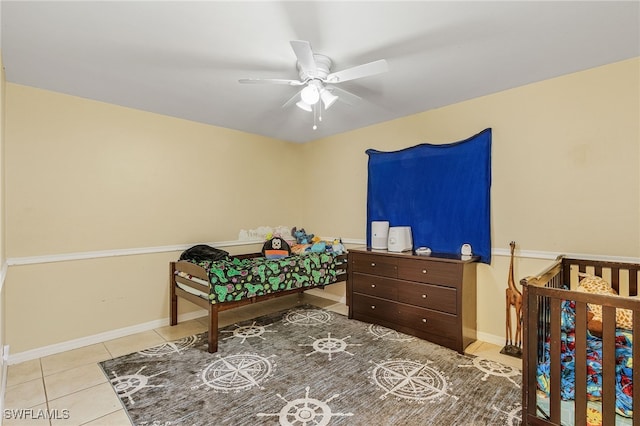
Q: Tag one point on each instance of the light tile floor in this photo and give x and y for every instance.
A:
(71, 384)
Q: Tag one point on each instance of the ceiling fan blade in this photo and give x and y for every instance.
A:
(303, 52)
(346, 97)
(359, 71)
(271, 81)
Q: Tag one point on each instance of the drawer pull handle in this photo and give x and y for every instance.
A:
(373, 265)
(424, 296)
(424, 271)
(373, 306)
(424, 320)
(373, 286)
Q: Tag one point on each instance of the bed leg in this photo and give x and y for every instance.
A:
(173, 315)
(213, 328)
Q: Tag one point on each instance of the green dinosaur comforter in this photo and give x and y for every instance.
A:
(236, 279)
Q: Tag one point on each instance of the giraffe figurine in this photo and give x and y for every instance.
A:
(513, 299)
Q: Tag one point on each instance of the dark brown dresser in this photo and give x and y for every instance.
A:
(430, 297)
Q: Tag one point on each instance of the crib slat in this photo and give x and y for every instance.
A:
(554, 368)
(633, 282)
(615, 279)
(597, 270)
(581, 364)
(529, 355)
(608, 365)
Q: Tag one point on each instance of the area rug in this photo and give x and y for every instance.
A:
(308, 366)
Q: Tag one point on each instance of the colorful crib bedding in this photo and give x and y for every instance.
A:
(234, 279)
(624, 363)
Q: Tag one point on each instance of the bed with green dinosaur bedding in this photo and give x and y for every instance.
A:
(233, 281)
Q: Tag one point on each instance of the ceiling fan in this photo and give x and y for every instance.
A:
(315, 75)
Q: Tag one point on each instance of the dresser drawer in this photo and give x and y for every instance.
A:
(373, 265)
(375, 307)
(434, 297)
(375, 286)
(430, 271)
(428, 321)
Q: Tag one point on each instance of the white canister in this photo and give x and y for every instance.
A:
(379, 234)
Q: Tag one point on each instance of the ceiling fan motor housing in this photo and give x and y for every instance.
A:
(323, 67)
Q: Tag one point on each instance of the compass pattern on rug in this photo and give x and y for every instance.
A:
(493, 368)
(410, 380)
(308, 317)
(329, 345)
(512, 417)
(245, 332)
(125, 386)
(383, 333)
(236, 372)
(305, 411)
(167, 348)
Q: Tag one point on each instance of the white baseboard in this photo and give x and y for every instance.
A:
(98, 338)
(126, 331)
(490, 338)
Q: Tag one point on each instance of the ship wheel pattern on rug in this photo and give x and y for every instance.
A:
(237, 372)
(125, 386)
(305, 411)
(512, 417)
(247, 331)
(410, 380)
(383, 333)
(171, 347)
(329, 345)
(308, 317)
(493, 368)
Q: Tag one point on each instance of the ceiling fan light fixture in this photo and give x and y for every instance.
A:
(310, 94)
(328, 98)
(303, 105)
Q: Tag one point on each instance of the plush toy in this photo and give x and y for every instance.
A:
(319, 247)
(299, 248)
(276, 248)
(301, 236)
(596, 285)
(337, 247)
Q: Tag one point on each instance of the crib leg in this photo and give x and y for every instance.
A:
(213, 328)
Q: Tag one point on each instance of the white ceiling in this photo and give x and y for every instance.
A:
(184, 59)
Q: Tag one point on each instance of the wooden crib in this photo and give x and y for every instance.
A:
(543, 298)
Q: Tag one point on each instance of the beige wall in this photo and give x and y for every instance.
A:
(564, 162)
(88, 176)
(92, 176)
(565, 171)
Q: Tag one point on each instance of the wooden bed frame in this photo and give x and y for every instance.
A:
(213, 309)
(542, 297)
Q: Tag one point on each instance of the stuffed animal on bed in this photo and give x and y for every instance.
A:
(301, 236)
(597, 285)
(337, 247)
(276, 248)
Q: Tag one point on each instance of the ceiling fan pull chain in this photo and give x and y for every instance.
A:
(315, 115)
